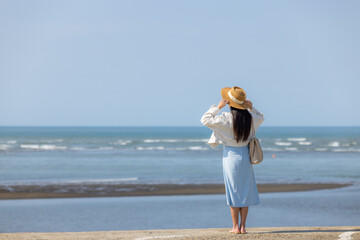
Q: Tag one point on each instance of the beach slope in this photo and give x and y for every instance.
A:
(344, 232)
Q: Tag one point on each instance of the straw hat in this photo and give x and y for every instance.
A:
(235, 95)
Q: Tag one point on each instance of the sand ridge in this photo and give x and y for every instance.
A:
(115, 190)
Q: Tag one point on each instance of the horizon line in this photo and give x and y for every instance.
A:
(124, 126)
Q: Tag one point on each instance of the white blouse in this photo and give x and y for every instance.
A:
(222, 126)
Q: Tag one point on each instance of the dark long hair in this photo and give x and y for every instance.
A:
(242, 124)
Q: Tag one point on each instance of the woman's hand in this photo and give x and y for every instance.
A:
(248, 104)
(222, 103)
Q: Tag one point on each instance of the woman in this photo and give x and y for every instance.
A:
(234, 130)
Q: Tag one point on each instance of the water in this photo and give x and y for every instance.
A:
(44, 155)
(112, 155)
(339, 207)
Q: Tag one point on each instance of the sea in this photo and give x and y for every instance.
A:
(176, 155)
(46, 155)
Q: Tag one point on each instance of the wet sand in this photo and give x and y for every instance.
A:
(294, 233)
(118, 190)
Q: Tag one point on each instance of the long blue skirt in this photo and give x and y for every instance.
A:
(239, 178)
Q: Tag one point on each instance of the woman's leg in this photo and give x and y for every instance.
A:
(243, 215)
(235, 218)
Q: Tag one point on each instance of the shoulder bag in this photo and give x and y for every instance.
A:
(255, 151)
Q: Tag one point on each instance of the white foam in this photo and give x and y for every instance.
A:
(78, 148)
(150, 148)
(51, 147)
(30, 146)
(65, 182)
(320, 149)
(152, 140)
(346, 150)
(106, 148)
(305, 143)
(106, 180)
(122, 142)
(52, 140)
(334, 144)
(12, 141)
(197, 140)
(272, 149)
(297, 139)
(177, 149)
(283, 143)
(291, 148)
(4, 146)
(161, 140)
(160, 148)
(339, 150)
(91, 149)
(42, 147)
(171, 140)
(197, 148)
(193, 148)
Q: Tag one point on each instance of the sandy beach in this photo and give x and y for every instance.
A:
(118, 190)
(294, 233)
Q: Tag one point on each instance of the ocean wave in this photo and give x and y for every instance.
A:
(272, 149)
(340, 150)
(283, 143)
(197, 140)
(78, 148)
(122, 142)
(150, 148)
(12, 141)
(296, 139)
(97, 181)
(4, 146)
(161, 140)
(334, 144)
(141, 148)
(174, 140)
(51, 140)
(305, 143)
(105, 148)
(345, 150)
(198, 148)
(30, 146)
(70, 182)
(171, 140)
(42, 147)
(320, 149)
(162, 148)
(152, 140)
(291, 148)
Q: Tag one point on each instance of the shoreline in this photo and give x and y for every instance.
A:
(268, 233)
(125, 190)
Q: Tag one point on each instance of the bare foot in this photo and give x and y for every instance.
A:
(235, 230)
(242, 229)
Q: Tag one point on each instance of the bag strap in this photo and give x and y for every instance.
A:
(252, 127)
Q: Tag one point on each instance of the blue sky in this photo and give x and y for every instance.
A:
(163, 63)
